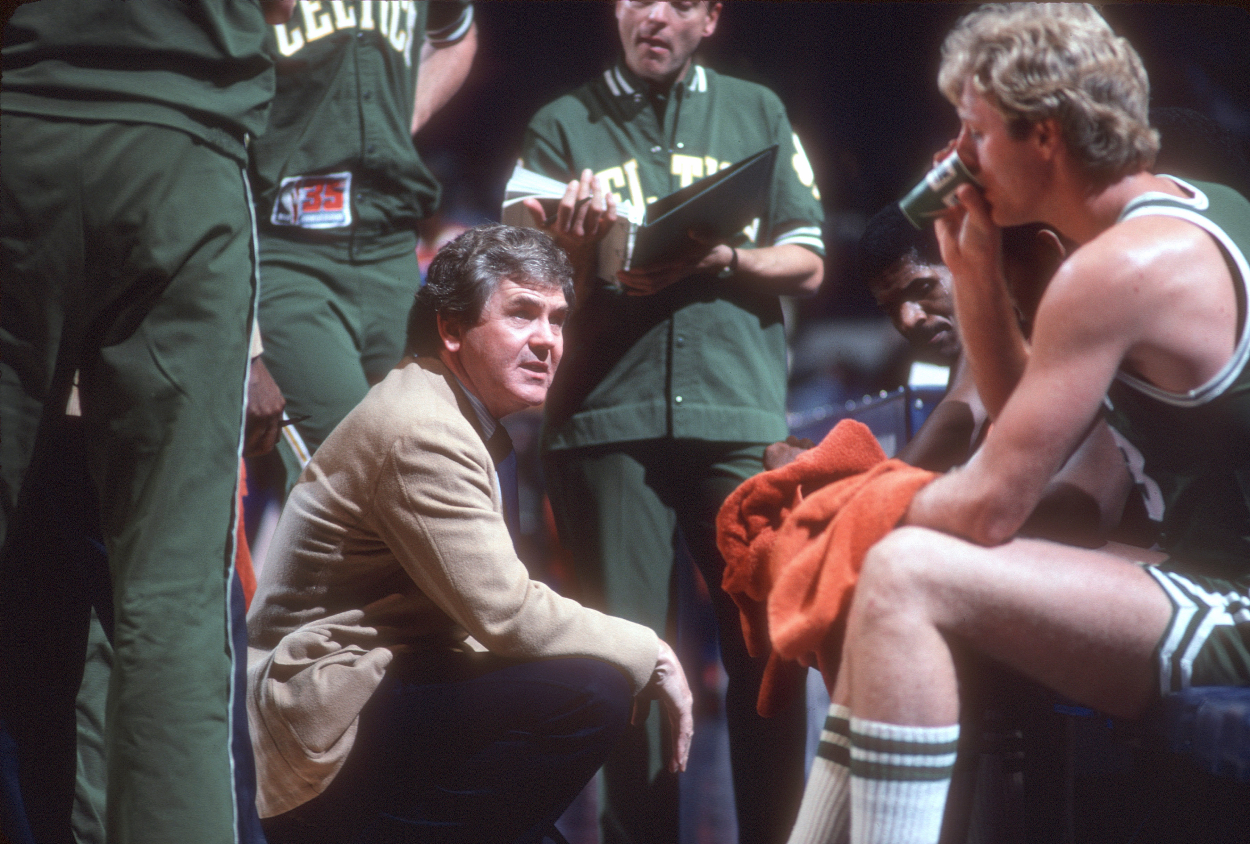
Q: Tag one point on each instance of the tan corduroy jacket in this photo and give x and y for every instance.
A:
(394, 538)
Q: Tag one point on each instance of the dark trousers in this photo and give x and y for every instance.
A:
(618, 508)
(467, 749)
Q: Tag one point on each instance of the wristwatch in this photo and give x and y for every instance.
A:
(730, 268)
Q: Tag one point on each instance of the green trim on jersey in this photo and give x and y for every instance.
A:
(1190, 453)
(705, 358)
(346, 84)
(200, 67)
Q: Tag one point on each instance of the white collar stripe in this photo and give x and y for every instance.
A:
(698, 79)
(620, 87)
(621, 81)
(607, 78)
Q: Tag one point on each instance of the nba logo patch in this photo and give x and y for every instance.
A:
(314, 202)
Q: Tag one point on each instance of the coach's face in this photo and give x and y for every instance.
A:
(658, 39)
(509, 357)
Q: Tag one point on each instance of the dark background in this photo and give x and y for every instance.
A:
(858, 79)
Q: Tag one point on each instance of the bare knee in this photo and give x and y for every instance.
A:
(897, 565)
(897, 577)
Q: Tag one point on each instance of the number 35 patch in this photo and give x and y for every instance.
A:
(314, 202)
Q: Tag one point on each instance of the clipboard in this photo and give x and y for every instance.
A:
(721, 205)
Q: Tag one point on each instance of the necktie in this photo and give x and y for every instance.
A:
(501, 451)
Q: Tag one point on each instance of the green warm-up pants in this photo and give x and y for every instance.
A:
(127, 257)
(618, 508)
(333, 324)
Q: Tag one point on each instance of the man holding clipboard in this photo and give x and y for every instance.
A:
(674, 378)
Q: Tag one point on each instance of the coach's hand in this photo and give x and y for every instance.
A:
(668, 684)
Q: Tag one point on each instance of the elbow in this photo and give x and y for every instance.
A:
(990, 534)
(277, 11)
(811, 285)
(983, 520)
(995, 522)
(807, 284)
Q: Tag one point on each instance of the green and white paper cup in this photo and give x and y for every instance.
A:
(936, 191)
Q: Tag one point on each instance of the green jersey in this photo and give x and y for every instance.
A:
(338, 155)
(1190, 452)
(200, 67)
(704, 358)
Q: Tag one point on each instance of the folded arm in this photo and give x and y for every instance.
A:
(1077, 349)
(954, 427)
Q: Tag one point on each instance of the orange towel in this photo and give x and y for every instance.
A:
(794, 539)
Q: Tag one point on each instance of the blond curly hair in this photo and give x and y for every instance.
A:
(1034, 61)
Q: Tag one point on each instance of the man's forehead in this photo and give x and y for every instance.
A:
(680, 5)
(541, 287)
(899, 275)
(977, 106)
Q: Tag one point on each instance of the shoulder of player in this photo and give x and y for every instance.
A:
(1134, 264)
(1141, 253)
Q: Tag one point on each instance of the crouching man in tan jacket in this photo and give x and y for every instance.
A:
(408, 681)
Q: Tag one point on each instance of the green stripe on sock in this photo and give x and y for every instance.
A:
(911, 748)
(900, 773)
(836, 753)
(835, 724)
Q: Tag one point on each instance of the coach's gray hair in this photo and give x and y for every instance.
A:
(466, 272)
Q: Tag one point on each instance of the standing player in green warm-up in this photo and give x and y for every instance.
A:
(675, 376)
(127, 262)
(340, 189)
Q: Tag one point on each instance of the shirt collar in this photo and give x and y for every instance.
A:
(623, 82)
(487, 422)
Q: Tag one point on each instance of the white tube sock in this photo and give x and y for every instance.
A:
(899, 779)
(824, 816)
